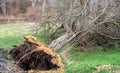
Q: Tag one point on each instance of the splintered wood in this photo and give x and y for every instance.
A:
(35, 57)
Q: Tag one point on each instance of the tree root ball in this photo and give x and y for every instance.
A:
(33, 56)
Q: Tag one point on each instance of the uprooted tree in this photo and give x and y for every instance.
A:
(81, 21)
(32, 57)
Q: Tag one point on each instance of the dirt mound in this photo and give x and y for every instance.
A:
(35, 57)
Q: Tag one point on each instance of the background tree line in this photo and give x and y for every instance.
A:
(13, 7)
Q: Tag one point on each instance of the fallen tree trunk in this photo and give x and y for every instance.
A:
(61, 41)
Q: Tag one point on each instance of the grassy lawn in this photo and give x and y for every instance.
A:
(83, 62)
(11, 34)
(86, 62)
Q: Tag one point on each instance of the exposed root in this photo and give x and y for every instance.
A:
(33, 55)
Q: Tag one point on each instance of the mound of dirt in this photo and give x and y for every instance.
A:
(35, 57)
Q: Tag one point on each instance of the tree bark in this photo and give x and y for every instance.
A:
(62, 40)
(59, 42)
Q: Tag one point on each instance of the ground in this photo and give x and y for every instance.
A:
(13, 34)
(79, 62)
(87, 62)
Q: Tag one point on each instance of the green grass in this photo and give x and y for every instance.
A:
(13, 34)
(85, 62)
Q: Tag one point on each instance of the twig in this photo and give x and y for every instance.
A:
(57, 29)
(114, 38)
(26, 55)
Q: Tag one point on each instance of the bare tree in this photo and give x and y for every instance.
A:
(80, 19)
